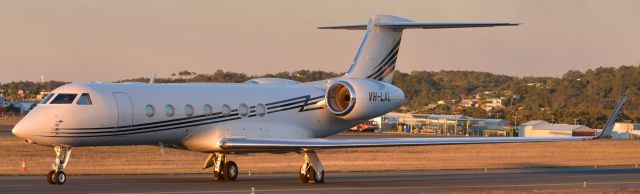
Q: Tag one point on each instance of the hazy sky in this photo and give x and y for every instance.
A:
(109, 40)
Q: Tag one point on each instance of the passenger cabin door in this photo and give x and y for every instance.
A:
(125, 114)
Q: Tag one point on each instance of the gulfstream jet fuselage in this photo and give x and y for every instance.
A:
(262, 115)
(189, 116)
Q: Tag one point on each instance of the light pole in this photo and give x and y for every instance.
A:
(515, 122)
(468, 120)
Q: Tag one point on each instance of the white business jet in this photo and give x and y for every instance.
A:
(264, 115)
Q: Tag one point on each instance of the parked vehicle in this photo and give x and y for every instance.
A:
(369, 126)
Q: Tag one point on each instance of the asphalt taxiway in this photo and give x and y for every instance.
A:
(6, 133)
(341, 182)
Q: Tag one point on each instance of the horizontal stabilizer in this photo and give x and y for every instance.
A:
(422, 25)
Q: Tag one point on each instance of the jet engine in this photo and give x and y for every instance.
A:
(357, 99)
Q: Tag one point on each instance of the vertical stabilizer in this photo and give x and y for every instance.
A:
(377, 55)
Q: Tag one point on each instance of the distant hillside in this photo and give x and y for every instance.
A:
(581, 97)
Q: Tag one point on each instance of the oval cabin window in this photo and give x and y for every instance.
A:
(188, 110)
(207, 110)
(243, 109)
(261, 109)
(149, 110)
(226, 110)
(169, 110)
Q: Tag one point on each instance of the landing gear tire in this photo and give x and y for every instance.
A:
(320, 177)
(230, 171)
(50, 177)
(312, 169)
(59, 178)
(313, 176)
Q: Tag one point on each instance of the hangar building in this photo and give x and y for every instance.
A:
(540, 128)
(625, 131)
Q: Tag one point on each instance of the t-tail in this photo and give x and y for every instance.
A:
(376, 58)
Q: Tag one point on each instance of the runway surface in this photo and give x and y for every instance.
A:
(6, 133)
(5, 130)
(357, 182)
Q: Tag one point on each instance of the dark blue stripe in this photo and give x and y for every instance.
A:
(137, 130)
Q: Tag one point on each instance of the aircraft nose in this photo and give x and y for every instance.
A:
(18, 130)
(26, 127)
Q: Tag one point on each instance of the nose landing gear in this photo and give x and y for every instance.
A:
(57, 175)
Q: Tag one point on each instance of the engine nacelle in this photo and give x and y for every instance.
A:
(356, 99)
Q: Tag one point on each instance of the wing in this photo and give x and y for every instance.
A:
(255, 144)
(320, 143)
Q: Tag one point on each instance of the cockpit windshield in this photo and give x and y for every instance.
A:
(64, 99)
(47, 98)
(84, 99)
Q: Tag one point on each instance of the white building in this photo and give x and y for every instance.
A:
(468, 103)
(492, 103)
(540, 128)
(625, 131)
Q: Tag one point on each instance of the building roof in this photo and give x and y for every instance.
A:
(534, 122)
(544, 125)
(449, 117)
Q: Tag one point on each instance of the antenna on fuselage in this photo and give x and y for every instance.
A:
(152, 80)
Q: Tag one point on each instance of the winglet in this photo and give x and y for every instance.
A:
(608, 127)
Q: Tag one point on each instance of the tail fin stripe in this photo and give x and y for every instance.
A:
(389, 63)
(386, 57)
(385, 62)
(395, 48)
(388, 71)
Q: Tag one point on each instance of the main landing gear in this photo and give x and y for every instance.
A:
(222, 169)
(312, 170)
(57, 176)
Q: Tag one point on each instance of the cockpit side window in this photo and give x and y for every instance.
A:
(47, 98)
(84, 99)
(64, 99)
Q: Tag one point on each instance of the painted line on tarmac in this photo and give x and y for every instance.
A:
(578, 185)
